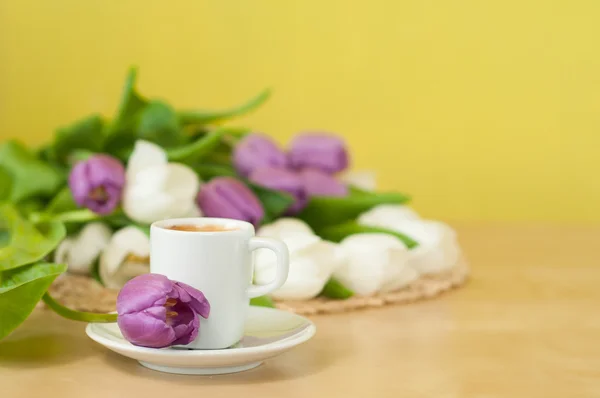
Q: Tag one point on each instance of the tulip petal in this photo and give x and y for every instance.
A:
(368, 262)
(185, 324)
(256, 151)
(144, 330)
(324, 151)
(303, 281)
(99, 172)
(438, 248)
(320, 183)
(143, 292)
(182, 182)
(398, 273)
(194, 298)
(61, 254)
(363, 179)
(106, 169)
(167, 191)
(144, 156)
(388, 216)
(228, 197)
(312, 262)
(126, 241)
(285, 227)
(80, 252)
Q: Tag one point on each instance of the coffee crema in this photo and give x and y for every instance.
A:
(199, 228)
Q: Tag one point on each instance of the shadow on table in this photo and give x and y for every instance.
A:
(39, 351)
(307, 359)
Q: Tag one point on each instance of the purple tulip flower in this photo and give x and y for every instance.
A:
(318, 150)
(97, 183)
(157, 312)
(227, 197)
(255, 151)
(319, 183)
(282, 180)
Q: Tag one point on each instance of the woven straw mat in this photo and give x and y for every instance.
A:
(86, 294)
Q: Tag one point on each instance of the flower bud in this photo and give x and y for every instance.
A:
(157, 312)
(227, 197)
(97, 183)
(255, 151)
(318, 150)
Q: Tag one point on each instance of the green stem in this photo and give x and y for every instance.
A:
(77, 315)
(197, 149)
(336, 233)
(204, 117)
(336, 290)
(74, 216)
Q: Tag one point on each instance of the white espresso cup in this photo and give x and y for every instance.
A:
(219, 264)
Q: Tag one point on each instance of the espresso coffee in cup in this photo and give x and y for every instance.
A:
(199, 228)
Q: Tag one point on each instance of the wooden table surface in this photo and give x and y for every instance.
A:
(526, 325)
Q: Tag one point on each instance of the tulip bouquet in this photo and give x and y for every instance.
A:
(83, 204)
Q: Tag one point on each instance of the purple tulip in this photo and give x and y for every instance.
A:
(319, 183)
(157, 312)
(318, 150)
(227, 197)
(255, 151)
(97, 183)
(282, 180)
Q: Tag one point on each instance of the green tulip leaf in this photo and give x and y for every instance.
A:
(21, 289)
(158, 123)
(5, 184)
(4, 237)
(205, 117)
(324, 211)
(262, 301)
(336, 290)
(30, 176)
(26, 243)
(219, 158)
(86, 134)
(275, 203)
(45, 153)
(337, 233)
(63, 201)
(131, 102)
(207, 171)
(210, 144)
(95, 271)
(117, 219)
(120, 134)
(30, 206)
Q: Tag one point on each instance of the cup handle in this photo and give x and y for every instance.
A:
(283, 265)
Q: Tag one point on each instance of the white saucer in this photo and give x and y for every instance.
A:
(268, 333)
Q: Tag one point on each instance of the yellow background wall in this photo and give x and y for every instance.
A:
(482, 110)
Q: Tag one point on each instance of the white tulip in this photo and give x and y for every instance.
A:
(387, 216)
(124, 257)
(156, 189)
(438, 248)
(312, 260)
(374, 262)
(80, 252)
(285, 227)
(363, 179)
